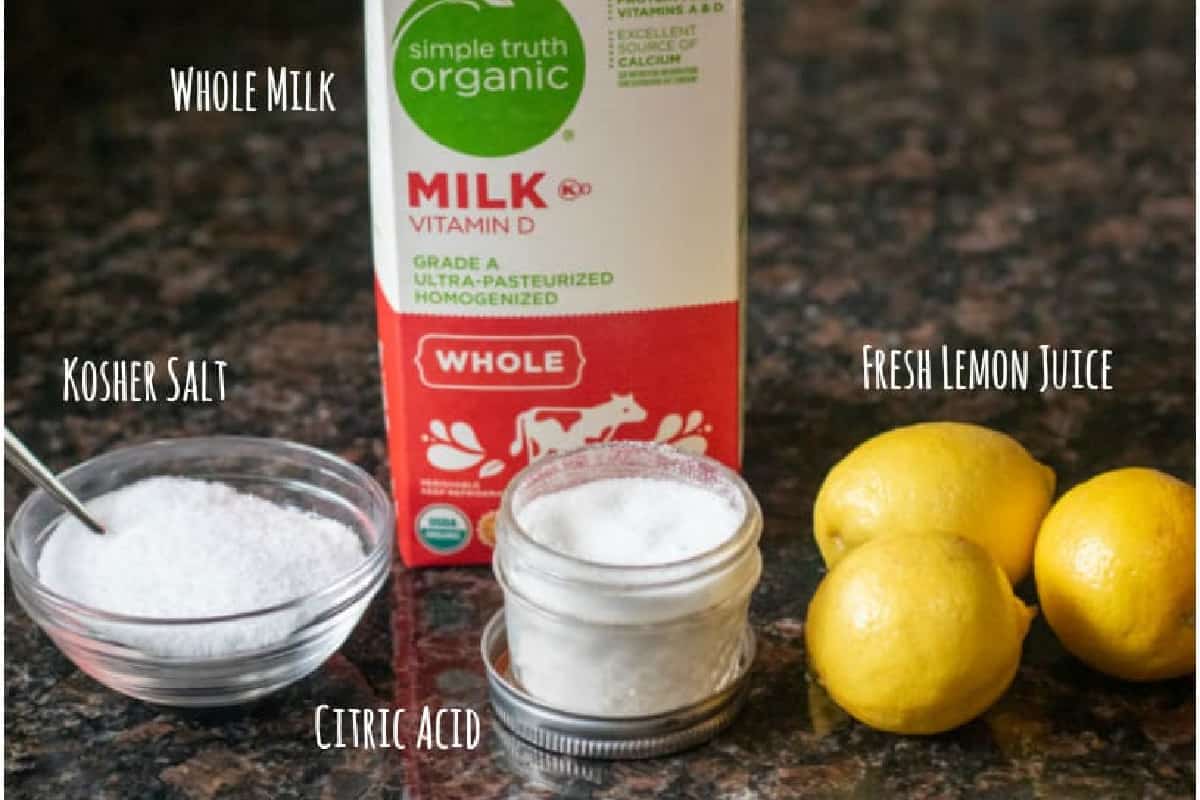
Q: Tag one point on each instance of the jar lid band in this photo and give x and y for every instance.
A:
(584, 736)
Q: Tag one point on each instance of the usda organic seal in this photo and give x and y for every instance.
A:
(443, 529)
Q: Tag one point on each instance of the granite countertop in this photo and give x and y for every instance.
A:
(969, 173)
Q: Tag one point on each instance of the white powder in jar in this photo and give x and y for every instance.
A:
(178, 547)
(630, 626)
(630, 521)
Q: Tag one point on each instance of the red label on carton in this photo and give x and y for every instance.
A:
(668, 375)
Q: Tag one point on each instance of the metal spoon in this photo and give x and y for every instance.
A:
(28, 465)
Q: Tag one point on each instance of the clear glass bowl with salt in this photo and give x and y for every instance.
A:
(304, 537)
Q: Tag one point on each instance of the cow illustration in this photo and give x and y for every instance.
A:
(542, 430)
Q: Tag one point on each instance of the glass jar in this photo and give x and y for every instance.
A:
(622, 641)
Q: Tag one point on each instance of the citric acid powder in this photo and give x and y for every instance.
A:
(640, 605)
(630, 521)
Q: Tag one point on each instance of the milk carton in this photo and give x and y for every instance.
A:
(557, 192)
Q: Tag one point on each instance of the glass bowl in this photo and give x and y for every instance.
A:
(104, 645)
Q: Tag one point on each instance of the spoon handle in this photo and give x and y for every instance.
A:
(28, 465)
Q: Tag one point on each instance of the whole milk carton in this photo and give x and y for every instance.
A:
(557, 192)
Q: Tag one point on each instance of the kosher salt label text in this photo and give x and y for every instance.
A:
(133, 381)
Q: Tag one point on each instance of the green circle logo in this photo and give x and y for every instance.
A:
(488, 77)
(443, 529)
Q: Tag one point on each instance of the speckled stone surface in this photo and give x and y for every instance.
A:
(975, 174)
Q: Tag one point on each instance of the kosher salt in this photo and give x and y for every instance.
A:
(183, 548)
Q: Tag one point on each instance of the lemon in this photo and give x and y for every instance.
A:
(916, 634)
(949, 477)
(1116, 573)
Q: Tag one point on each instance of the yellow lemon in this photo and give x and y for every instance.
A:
(1116, 573)
(949, 477)
(916, 634)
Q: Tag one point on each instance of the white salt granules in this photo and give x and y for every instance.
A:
(630, 521)
(178, 547)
